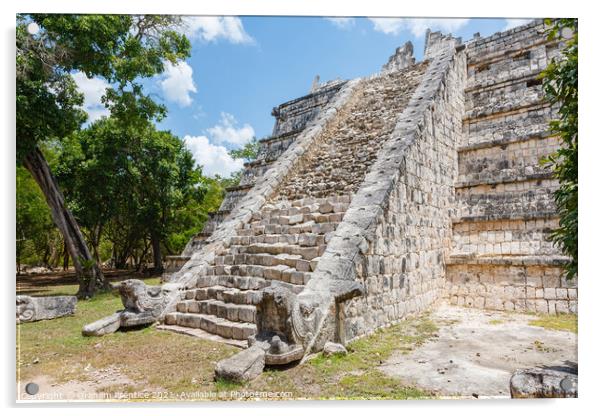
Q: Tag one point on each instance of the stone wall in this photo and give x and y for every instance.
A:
(295, 114)
(501, 255)
(527, 285)
(408, 196)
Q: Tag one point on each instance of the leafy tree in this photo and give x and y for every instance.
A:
(168, 182)
(560, 85)
(248, 152)
(132, 182)
(34, 224)
(191, 218)
(121, 49)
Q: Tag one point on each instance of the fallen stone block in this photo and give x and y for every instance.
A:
(104, 326)
(30, 309)
(543, 383)
(244, 366)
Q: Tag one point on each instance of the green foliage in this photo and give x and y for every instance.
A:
(36, 235)
(560, 84)
(127, 183)
(248, 152)
(124, 181)
(560, 322)
(122, 49)
(189, 219)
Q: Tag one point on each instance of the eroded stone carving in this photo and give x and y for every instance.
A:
(31, 309)
(143, 305)
(292, 325)
(531, 383)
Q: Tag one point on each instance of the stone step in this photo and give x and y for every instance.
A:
(225, 294)
(325, 208)
(302, 239)
(230, 311)
(307, 227)
(243, 283)
(293, 261)
(212, 324)
(236, 282)
(316, 217)
(307, 252)
(302, 203)
(281, 273)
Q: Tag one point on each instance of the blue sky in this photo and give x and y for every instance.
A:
(241, 67)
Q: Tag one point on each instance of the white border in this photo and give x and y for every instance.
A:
(590, 278)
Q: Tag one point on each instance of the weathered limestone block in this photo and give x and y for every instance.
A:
(244, 366)
(104, 326)
(544, 383)
(31, 309)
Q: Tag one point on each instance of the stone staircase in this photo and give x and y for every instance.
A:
(284, 240)
(282, 243)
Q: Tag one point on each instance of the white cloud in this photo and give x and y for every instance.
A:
(418, 26)
(93, 90)
(214, 160)
(511, 23)
(177, 83)
(213, 28)
(388, 25)
(209, 151)
(341, 22)
(227, 131)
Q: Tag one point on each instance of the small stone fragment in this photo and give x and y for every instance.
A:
(331, 348)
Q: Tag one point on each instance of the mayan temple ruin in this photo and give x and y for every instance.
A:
(376, 199)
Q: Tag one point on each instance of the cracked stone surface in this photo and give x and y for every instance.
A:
(477, 351)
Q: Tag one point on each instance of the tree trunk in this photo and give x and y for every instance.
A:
(142, 256)
(88, 273)
(65, 258)
(157, 258)
(46, 257)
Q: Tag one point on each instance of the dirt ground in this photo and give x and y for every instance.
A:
(49, 389)
(43, 283)
(476, 351)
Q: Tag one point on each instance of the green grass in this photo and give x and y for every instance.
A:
(355, 375)
(179, 364)
(560, 322)
(222, 384)
(496, 322)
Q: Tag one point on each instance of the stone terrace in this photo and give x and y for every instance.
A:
(501, 256)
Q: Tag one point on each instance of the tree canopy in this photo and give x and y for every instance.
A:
(122, 49)
(139, 181)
